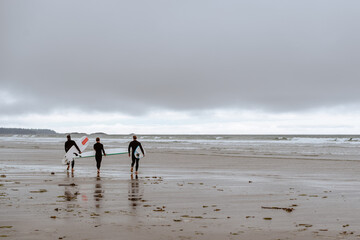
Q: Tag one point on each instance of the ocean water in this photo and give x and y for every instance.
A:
(332, 147)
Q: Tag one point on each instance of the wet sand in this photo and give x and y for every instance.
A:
(177, 195)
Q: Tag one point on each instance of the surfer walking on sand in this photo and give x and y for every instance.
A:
(68, 144)
(99, 150)
(135, 159)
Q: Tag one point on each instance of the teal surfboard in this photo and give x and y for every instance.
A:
(109, 152)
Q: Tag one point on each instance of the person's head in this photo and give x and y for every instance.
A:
(134, 137)
(97, 139)
(68, 137)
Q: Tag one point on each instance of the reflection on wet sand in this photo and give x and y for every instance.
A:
(135, 191)
(71, 191)
(98, 193)
(68, 174)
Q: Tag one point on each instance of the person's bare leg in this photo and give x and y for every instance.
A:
(132, 169)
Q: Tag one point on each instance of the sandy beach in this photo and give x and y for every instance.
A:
(179, 194)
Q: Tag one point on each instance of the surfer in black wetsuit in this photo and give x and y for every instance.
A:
(133, 145)
(99, 150)
(68, 144)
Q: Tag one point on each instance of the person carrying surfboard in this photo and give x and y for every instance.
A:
(134, 145)
(99, 150)
(68, 144)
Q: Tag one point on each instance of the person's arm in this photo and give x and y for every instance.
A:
(129, 149)
(142, 150)
(77, 147)
(102, 147)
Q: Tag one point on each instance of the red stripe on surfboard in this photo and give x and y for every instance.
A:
(85, 141)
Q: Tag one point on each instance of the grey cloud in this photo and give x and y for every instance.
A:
(180, 55)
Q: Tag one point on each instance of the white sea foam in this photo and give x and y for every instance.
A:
(346, 147)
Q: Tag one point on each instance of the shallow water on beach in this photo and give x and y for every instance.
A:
(335, 147)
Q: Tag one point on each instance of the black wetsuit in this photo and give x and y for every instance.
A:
(133, 145)
(99, 149)
(68, 145)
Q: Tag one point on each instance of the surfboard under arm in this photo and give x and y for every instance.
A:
(82, 143)
(138, 153)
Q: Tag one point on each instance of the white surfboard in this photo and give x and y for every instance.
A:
(73, 152)
(138, 153)
(109, 152)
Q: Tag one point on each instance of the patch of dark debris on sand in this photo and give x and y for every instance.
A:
(39, 191)
(281, 208)
(67, 185)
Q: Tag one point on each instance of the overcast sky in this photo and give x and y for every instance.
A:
(189, 66)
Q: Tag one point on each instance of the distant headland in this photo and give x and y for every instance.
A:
(25, 131)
